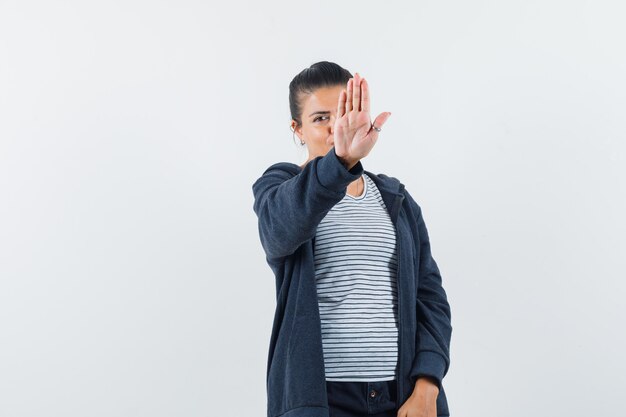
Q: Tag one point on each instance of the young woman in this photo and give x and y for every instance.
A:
(362, 324)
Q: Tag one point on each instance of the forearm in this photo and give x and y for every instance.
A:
(289, 208)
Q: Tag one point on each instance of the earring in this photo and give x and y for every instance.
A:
(294, 138)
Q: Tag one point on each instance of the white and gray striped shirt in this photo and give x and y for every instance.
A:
(355, 270)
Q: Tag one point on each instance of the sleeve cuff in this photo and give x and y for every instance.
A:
(333, 175)
(431, 364)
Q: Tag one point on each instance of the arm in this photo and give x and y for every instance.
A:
(290, 208)
(434, 328)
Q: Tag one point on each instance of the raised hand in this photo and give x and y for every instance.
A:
(354, 136)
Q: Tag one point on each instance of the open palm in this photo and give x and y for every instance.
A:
(354, 136)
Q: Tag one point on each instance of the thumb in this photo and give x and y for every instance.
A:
(381, 119)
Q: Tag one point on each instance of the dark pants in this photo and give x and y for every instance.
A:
(362, 399)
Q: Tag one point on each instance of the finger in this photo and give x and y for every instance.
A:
(365, 96)
(349, 96)
(378, 122)
(381, 119)
(356, 96)
(341, 104)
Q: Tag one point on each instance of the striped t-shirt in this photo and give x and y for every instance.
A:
(355, 270)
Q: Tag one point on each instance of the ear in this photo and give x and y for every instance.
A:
(298, 130)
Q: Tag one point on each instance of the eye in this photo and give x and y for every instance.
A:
(317, 118)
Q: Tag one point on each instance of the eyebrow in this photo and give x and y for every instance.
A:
(319, 112)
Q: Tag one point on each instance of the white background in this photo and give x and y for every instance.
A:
(132, 279)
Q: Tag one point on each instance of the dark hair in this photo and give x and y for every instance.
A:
(320, 74)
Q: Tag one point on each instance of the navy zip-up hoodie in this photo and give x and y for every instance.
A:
(290, 202)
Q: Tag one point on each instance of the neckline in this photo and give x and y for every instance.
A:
(363, 193)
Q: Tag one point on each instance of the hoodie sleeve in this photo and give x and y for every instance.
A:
(290, 208)
(434, 326)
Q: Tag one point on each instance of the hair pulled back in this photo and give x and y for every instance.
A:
(320, 74)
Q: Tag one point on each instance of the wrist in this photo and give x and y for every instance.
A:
(348, 163)
(426, 384)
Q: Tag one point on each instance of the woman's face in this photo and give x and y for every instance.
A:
(319, 110)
